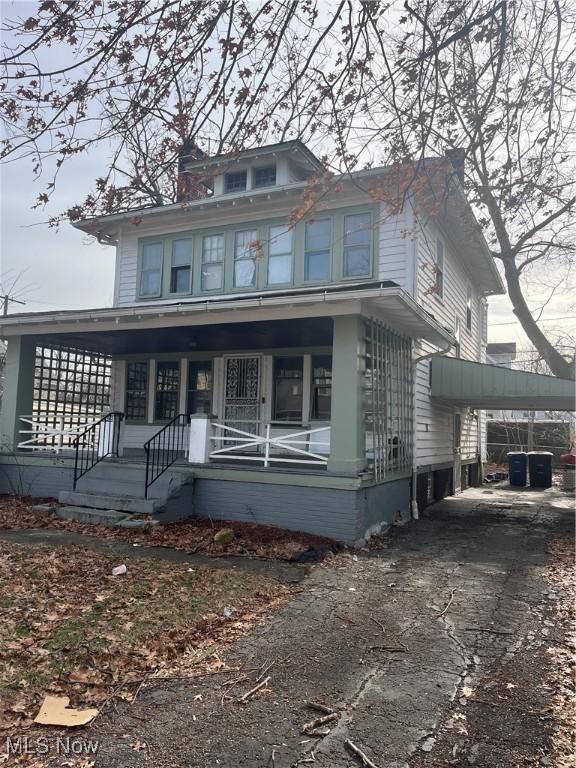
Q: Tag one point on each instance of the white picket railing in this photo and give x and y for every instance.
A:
(50, 433)
(261, 445)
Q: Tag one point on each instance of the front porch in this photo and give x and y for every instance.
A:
(316, 406)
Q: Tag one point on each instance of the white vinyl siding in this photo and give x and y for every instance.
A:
(434, 421)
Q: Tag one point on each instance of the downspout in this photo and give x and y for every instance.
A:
(437, 353)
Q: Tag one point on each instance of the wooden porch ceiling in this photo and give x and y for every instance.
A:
(304, 332)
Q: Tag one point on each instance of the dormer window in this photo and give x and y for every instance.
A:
(235, 182)
(265, 177)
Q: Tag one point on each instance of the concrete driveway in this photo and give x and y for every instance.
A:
(432, 651)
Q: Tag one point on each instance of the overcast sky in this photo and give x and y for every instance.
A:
(64, 269)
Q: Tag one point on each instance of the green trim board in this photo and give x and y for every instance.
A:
(160, 286)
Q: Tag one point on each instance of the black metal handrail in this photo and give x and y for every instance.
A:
(164, 448)
(98, 441)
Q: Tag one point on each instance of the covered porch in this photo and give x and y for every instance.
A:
(312, 382)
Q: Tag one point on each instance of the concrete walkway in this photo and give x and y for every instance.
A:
(405, 644)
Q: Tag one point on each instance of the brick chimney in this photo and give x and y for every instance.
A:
(457, 158)
(192, 185)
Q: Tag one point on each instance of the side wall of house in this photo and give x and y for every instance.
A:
(435, 440)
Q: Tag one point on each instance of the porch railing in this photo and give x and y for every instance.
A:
(99, 440)
(269, 448)
(165, 448)
(52, 433)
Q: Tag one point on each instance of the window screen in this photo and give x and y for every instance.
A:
(212, 262)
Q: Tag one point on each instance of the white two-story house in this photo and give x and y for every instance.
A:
(272, 344)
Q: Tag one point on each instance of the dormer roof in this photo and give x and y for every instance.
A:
(295, 150)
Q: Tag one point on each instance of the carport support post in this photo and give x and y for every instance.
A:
(347, 434)
(18, 393)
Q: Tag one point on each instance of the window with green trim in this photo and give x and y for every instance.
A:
(167, 391)
(264, 177)
(321, 390)
(288, 388)
(212, 278)
(279, 255)
(136, 390)
(235, 181)
(151, 269)
(199, 396)
(181, 266)
(318, 250)
(357, 240)
(245, 248)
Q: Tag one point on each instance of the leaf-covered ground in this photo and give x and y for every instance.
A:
(68, 627)
(195, 535)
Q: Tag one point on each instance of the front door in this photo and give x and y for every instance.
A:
(242, 392)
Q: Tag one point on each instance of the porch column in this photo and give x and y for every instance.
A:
(347, 433)
(18, 390)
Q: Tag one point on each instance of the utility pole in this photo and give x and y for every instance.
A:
(6, 300)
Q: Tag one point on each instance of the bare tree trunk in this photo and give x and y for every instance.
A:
(557, 364)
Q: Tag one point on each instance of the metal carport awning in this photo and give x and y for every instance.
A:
(466, 383)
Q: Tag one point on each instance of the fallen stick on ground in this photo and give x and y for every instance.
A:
(320, 707)
(358, 752)
(390, 648)
(448, 604)
(487, 629)
(313, 725)
(252, 691)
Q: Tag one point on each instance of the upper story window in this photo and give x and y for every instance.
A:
(484, 320)
(151, 269)
(318, 250)
(439, 279)
(212, 262)
(181, 266)
(264, 177)
(245, 247)
(279, 255)
(235, 181)
(469, 307)
(357, 240)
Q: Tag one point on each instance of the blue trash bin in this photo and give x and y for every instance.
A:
(517, 466)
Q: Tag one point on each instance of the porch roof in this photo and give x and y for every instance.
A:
(385, 301)
(466, 383)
